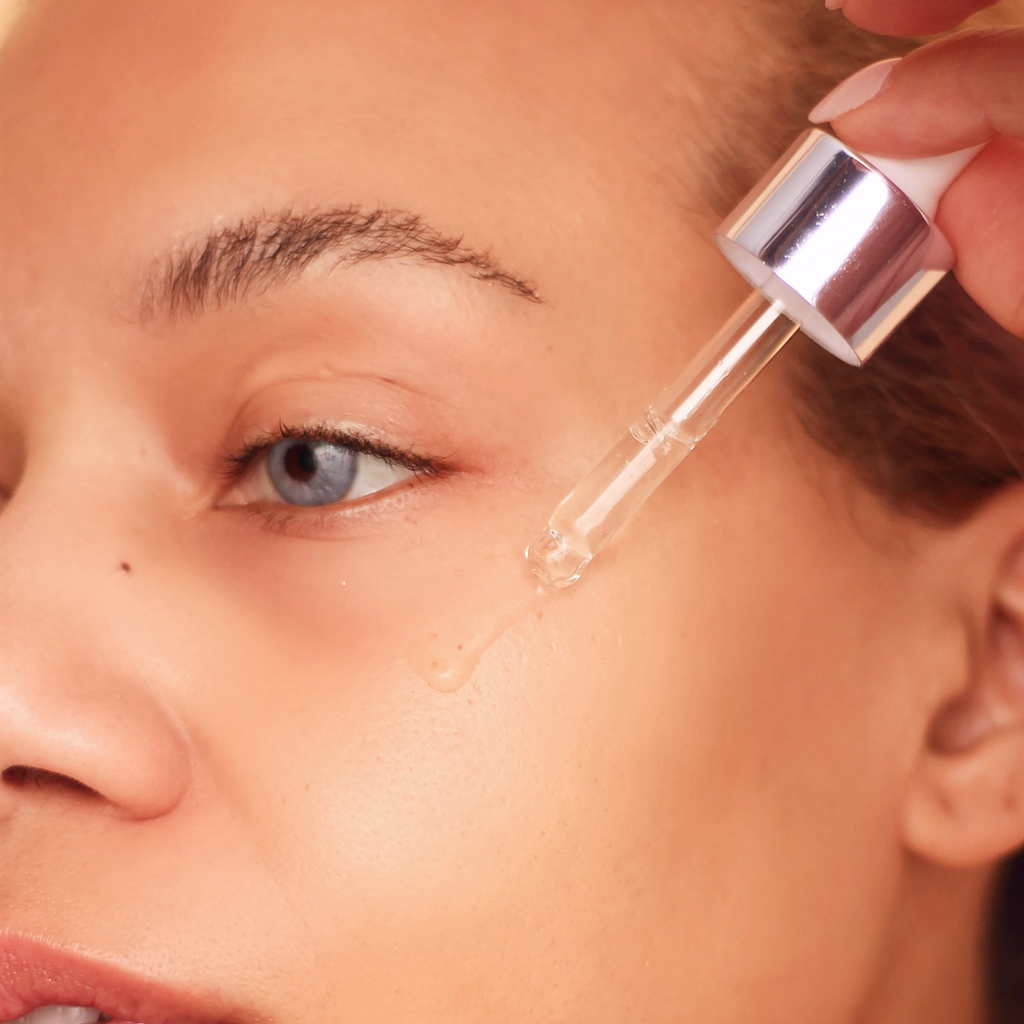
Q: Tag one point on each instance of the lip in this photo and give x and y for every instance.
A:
(35, 973)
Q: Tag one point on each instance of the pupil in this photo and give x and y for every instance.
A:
(300, 462)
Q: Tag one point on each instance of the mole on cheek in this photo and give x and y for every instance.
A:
(125, 567)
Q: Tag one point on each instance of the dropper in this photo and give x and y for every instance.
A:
(836, 244)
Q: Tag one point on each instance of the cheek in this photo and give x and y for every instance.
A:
(310, 661)
(791, 658)
(307, 690)
(679, 728)
(378, 593)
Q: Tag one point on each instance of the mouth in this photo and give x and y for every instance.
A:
(62, 1015)
(46, 984)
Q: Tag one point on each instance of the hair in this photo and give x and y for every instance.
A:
(934, 423)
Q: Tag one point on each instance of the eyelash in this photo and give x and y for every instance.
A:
(234, 465)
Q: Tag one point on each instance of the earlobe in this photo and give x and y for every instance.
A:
(965, 805)
(967, 809)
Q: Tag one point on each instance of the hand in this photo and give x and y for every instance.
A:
(957, 92)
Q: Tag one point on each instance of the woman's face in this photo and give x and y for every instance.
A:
(343, 762)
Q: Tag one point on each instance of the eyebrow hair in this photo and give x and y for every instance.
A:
(252, 255)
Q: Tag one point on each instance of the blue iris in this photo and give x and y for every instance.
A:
(311, 472)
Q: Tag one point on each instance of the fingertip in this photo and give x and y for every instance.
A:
(909, 17)
(855, 91)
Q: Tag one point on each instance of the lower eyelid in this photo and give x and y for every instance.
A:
(330, 522)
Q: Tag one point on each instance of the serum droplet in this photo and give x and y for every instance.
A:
(448, 664)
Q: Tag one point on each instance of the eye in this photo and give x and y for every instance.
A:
(312, 472)
(316, 470)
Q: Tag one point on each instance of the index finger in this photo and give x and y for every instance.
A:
(909, 17)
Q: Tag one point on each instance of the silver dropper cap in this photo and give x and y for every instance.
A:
(846, 252)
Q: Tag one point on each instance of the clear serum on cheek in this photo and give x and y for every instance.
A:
(836, 244)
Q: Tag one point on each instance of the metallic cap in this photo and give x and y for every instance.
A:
(847, 253)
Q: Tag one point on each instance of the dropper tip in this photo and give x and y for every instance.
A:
(555, 561)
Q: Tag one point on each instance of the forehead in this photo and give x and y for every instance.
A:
(534, 131)
(516, 112)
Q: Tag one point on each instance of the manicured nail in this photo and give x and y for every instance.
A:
(860, 87)
(834, 5)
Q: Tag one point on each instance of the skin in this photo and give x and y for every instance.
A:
(697, 786)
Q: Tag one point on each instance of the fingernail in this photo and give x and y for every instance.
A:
(834, 5)
(860, 87)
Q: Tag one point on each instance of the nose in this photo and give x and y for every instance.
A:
(82, 716)
(101, 737)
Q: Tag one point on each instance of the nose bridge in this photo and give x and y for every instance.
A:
(78, 697)
(73, 509)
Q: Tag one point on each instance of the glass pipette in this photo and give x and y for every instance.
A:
(653, 446)
(837, 244)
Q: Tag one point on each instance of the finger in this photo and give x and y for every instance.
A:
(982, 215)
(909, 17)
(958, 92)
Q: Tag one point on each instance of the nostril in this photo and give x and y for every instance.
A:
(23, 776)
(93, 739)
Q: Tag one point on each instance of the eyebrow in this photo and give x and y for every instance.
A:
(253, 255)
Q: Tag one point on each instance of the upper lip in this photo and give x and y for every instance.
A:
(35, 973)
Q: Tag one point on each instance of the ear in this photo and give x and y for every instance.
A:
(965, 803)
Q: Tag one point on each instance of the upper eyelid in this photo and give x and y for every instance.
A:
(233, 464)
